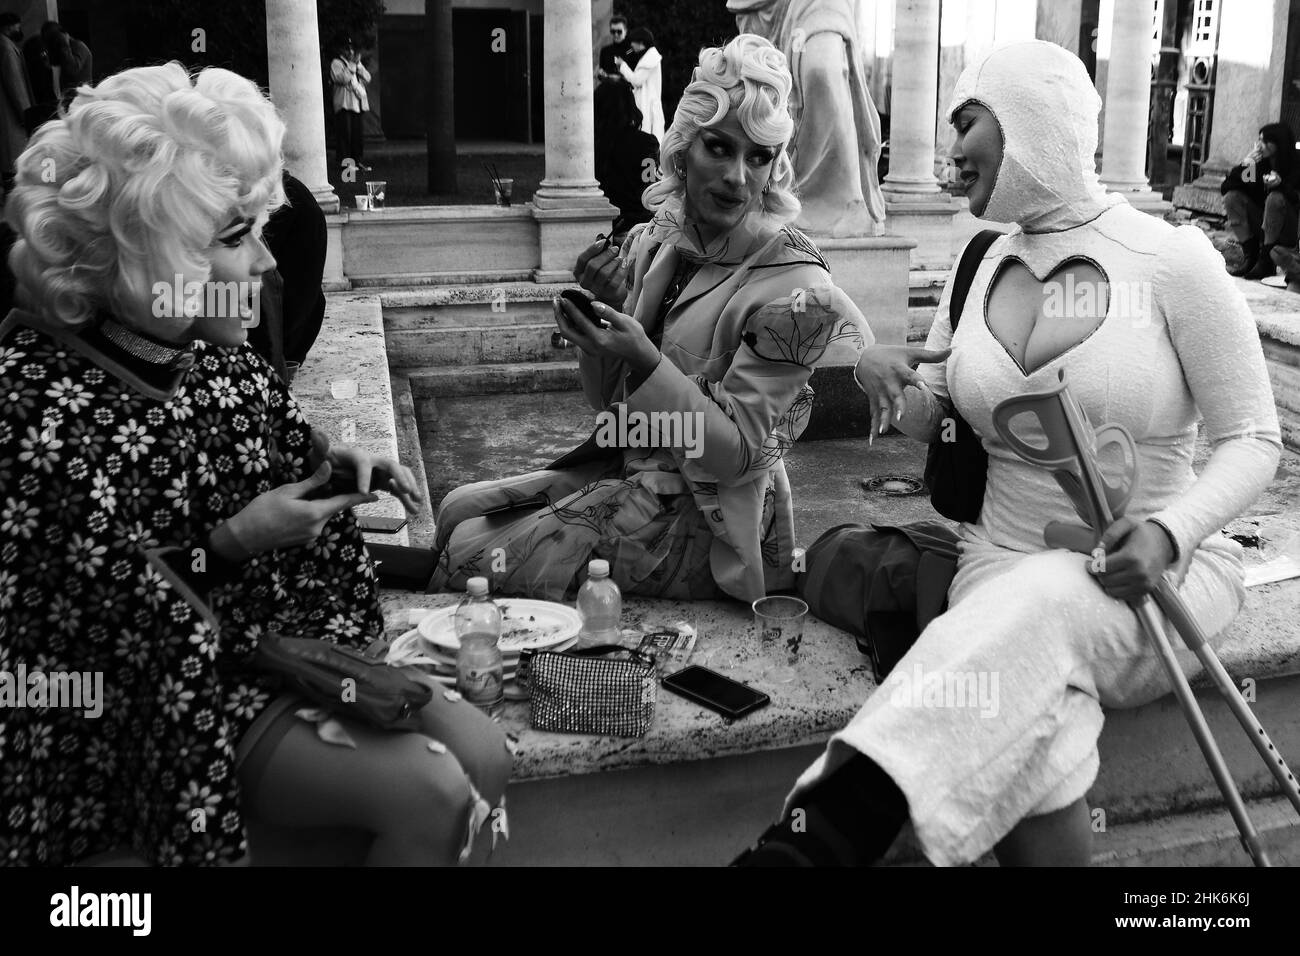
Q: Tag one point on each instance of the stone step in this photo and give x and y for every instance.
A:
(458, 346)
(1198, 838)
(514, 377)
(1202, 838)
(385, 282)
(460, 293)
(467, 315)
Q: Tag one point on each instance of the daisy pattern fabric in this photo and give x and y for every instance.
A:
(105, 483)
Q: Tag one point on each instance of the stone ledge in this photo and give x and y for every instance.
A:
(352, 348)
(397, 284)
(834, 680)
(391, 214)
(837, 679)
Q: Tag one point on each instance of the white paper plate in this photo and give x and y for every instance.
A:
(411, 648)
(528, 625)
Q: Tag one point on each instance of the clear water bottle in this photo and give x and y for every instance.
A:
(480, 676)
(600, 604)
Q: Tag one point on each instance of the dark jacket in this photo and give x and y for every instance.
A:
(1251, 183)
(624, 169)
(882, 584)
(297, 236)
(624, 50)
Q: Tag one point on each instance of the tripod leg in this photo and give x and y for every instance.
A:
(1151, 624)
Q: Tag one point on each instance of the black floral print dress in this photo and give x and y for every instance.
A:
(113, 471)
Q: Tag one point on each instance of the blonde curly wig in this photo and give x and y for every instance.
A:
(130, 185)
(748, 75)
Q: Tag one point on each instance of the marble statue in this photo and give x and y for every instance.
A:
(836, 145)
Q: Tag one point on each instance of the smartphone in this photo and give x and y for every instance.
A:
(343, 481)
(583, 305)
(378, 525)
(710, 689)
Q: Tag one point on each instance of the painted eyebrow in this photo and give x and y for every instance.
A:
(731, 140)
(241, 226)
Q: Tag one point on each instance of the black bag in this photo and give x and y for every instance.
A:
(956, 471)
(380, 695)
(882, 584)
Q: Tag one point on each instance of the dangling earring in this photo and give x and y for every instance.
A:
(768, 188)
(681, 173)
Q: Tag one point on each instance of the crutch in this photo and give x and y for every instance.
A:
(1070, 452)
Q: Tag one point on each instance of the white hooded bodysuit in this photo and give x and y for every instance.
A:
(995, 712)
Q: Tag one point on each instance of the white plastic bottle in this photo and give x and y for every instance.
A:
(480, 675)
(600, 604)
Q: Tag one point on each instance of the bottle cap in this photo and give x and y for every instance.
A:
(477, 586)
(598, 568)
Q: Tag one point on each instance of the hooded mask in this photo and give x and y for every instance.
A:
(1047, 109)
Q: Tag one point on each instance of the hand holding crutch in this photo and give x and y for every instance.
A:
(1070, 452)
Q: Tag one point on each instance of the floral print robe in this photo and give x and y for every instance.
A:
(111, 478)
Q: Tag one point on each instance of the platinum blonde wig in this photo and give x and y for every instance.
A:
(130, 185)
(748, 75)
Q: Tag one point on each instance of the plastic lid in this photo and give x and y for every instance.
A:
(477, 586)
(598, 568)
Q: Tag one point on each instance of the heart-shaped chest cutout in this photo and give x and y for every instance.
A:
(1036, 321)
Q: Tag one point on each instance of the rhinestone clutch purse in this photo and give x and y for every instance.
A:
(582, 692)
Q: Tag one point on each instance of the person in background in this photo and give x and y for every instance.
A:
(349, 77)
(45, 99)
(627, 159)
(16, 97)
(647, 79)
(70, 55)
(1262, 197)
(292, 303)
(611, 52)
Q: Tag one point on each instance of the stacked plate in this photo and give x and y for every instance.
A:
(526, 625)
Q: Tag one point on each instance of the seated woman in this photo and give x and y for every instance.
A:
(163, 510)
(1262, 197)
(1053, 628)
(713, 326)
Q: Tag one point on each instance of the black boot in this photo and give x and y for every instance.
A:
(1250, 258)
(849, 819)
(1287, 260)
(1264, 267)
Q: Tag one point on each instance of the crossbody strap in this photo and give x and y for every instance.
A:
(967, 266)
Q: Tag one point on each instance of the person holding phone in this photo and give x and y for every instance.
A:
(712, 317)
(1262, 197)
(349, 77)
(1048, 632)
(164, 505)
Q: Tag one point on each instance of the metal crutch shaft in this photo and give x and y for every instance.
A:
(1150, 622)
(1176, 611)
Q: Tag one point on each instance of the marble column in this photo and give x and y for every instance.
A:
(915, 205)
(568, 205)
(913, 101)
(1128, 105)
(293, 52)
(440, 117)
